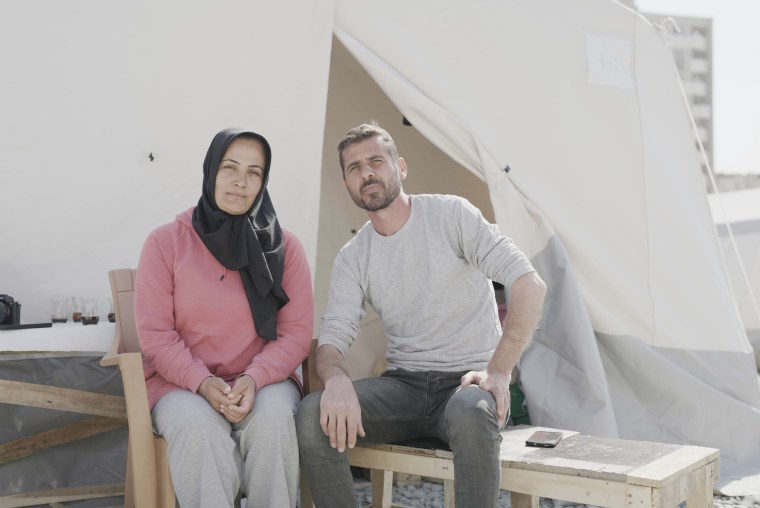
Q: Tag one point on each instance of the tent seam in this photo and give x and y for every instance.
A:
(645, 182)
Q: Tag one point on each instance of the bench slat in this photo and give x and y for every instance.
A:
(665, 469)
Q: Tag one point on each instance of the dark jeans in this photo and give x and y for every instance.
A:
(402, 405)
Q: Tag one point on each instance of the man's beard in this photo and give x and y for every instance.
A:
(378, 199)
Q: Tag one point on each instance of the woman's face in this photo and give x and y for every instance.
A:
(240, 176)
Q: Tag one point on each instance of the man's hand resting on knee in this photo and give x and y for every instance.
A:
(495, 382)
(341, 416)
(340, 413)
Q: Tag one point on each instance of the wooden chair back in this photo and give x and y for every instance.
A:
(148, 482)
(123, 292)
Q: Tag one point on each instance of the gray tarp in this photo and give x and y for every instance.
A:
(96, 460)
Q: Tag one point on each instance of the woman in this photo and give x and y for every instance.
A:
(224, 311)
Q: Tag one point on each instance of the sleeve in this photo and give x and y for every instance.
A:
(483, 245)
(161, 345)
(295, 321)
(345, 306)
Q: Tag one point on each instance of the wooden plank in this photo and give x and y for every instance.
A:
(449, 495)
(382, 488)
(122, 279)
(523, 500)
(62, 399)
(24, 447)
(639, 497)
(671, 494)
(700, 491)
(410, 450)
(680, 461)
(589, 456)
(41, 497)
(565, 487)
(570, 467)
(423, 465)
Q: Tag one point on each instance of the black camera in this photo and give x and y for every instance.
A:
(10, 311)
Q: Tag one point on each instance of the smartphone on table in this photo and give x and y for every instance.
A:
(544, 439)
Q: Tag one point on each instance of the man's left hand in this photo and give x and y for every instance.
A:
(494, 382)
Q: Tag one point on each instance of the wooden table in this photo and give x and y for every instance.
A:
(583, 469)
(72, 338)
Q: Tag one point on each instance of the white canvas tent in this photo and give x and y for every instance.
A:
(737, 217)
(107, 109)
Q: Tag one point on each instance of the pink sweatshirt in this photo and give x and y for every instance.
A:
(193, 318)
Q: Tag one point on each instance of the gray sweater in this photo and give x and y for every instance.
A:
(429, 282)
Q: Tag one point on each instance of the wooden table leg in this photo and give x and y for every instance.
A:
(700, 484)
(449, 494)
(523, 500)
(382, 488)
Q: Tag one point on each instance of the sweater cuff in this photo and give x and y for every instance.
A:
(196, 377)
(260, 376)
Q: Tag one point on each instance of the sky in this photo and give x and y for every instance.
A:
(736, 76)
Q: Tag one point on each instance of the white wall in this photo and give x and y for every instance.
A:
(89, 89)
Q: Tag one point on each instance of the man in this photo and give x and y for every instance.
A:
(425, 264)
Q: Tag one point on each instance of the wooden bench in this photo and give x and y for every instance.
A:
(581, 469)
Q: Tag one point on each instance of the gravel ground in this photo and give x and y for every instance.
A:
(430, 495)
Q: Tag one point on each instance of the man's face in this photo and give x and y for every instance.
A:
(371, 176)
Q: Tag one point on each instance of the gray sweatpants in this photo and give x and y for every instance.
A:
(211, 459)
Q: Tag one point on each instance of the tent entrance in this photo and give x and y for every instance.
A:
(353, 97)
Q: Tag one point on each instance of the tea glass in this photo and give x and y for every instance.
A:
(59, 310)
(90, 315)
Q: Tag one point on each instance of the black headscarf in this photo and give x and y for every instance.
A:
(250, 243)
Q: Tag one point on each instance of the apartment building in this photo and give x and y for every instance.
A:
(690, 39)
